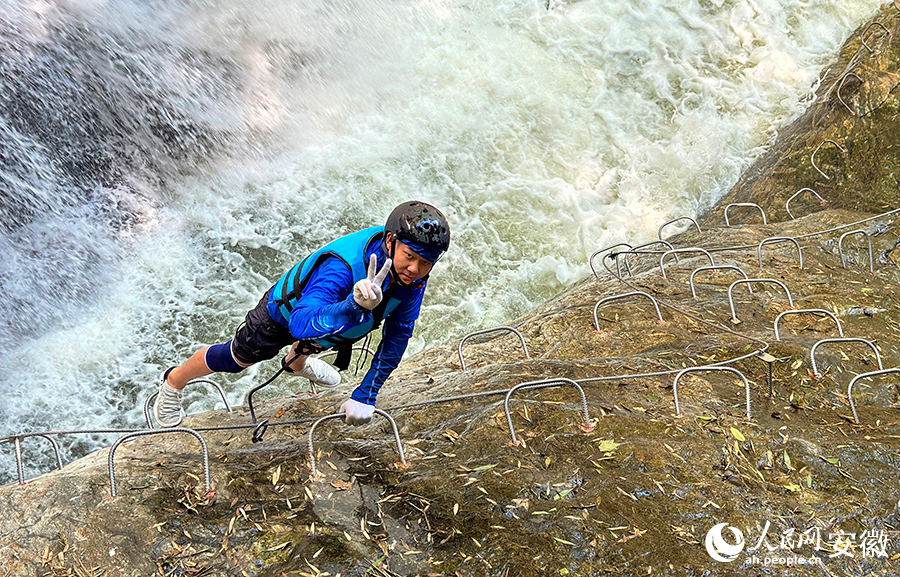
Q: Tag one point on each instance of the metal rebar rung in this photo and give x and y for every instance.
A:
(16, 440)
(812, 158)
(602, 250)
(718, 267)
(862, 38)
(131, 436)
(868, 239)
(586, 426)
(788, 202)
(812, 311)
(775, 239)
(621, 296)
(863, 376)
(711, 368)
(745, 204)
(659, 232)
(486, 331)
(312, 452)
(750, 280)
(841, 85)
(686, 249)
(812, 352)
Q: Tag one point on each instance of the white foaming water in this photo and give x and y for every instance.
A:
(544, 130)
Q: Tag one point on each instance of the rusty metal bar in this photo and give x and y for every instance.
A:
(812, 352)
(312, 452)
(20, 468)
(813, 311)
(864, 376)
(131, 436)
(687, 249)
(476, 333)
(774, 239)
(719, 267)
(750, 280)
(152, 397)
(868, 239)
(862, 37)
(659, 232)
(586, 426)
(618, 267)
(747, 204)
(787, 204)
(841, 84)
(16, 440)
(621, 296)
(711, 368)
(812, 158)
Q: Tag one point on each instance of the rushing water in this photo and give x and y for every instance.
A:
(162, 161)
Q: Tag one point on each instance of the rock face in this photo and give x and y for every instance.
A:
(636, 490)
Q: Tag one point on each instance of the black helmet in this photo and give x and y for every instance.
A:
(422, 227)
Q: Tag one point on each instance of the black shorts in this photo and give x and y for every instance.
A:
(260, 337)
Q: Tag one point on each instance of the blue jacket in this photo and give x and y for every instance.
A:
(314, 300)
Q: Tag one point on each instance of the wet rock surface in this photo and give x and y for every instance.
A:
(635, 490)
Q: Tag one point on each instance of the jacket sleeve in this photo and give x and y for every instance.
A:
(327, 306)
(398, 328)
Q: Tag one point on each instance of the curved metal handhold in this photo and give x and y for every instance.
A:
(719, 267)
(812, 352)
(586, 426)
(16, 440)
(687, 249)
(786, 204)
(841, 249)
(750, 280)
(711, 368)
(812, 158)
(131, 436)
(862, 36)
(618, 269)
(621, 296)
(864, 376)
(659, 232)
(841, 84)
(476, 333)
(774, 239)
(747, 204)
(149, 400)
(312, 451)
(815, 311)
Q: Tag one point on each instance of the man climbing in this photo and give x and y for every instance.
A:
(331, 299)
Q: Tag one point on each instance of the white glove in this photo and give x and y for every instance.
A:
(367, 292)
(356, 413)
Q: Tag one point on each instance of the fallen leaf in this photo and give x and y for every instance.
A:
(341, 485)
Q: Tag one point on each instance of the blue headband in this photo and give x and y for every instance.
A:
(428, 252)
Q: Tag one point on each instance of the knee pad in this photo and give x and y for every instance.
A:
(220, 360)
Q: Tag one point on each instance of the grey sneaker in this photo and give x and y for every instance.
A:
(320, 373)
(167, 408)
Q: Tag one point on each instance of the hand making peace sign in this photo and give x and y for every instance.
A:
(367, 292)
